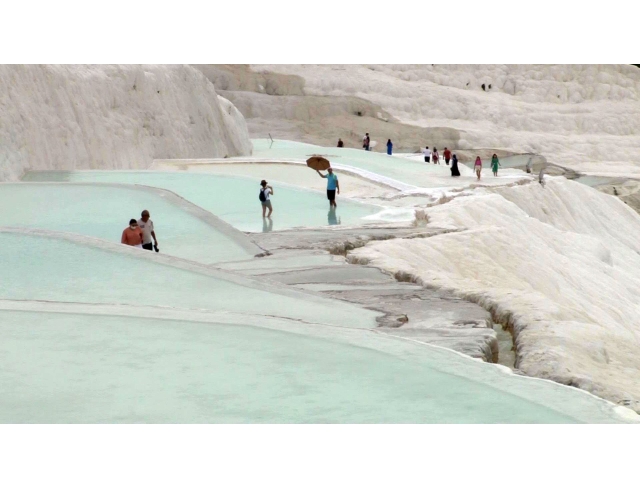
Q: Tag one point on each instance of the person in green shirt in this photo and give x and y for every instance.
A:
(495, 163)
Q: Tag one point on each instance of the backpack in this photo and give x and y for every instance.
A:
(262, 196)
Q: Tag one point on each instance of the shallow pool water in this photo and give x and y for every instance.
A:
(104, 211)
(233, 199)
(96, 332)
(55, 270)
(74, 368)
(411, 172)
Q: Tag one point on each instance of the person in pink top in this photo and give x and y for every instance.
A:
(478, 167)
(132, 235)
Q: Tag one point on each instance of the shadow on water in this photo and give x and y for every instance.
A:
(267, 225)
(332, 218)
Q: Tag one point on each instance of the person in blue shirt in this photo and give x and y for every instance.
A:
(332, 186)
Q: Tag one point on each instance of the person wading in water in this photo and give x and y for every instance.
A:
(332, 186)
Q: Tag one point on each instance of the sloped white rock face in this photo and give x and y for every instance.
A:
(558, 263)
(111, 117)
(586, 117)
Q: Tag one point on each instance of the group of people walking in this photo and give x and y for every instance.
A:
(449, 158)
(433, 156)
(495, 164)
(140, 233)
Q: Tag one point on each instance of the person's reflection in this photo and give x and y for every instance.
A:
(267, 225)
(332, 217)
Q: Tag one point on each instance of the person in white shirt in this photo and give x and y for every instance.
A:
(146, 225)
(265, 192)
(427, 154)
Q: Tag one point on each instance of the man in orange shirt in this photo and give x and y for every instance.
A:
(132, 235)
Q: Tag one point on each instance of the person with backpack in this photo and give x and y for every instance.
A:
(265, 192)
(495, 163)
(389, 147)
(447, 155)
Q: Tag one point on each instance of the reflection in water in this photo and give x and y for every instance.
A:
(333, 218)
(267, 225)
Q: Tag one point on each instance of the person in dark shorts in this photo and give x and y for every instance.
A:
(265, 198)
(447, 155)
(146, 225)
(332, 186)
(427, 154)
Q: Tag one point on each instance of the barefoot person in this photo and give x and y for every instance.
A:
(427, 154)
(495, 164)
(435, 157)
(455, 172)
(265, 198)
(332, 186)
(478, 167)
(447, 155)
(132, 235)
(146, 225)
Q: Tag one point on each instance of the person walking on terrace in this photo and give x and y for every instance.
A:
(265, 198)
(427, 154)
(132, 235)
(495, 163)
(389, 147)
(332, 186)
(454, 166)
(447, 155)
(146, 225)
(478, 167)
(435, 157)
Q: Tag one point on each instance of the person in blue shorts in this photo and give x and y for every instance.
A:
(332, 186)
